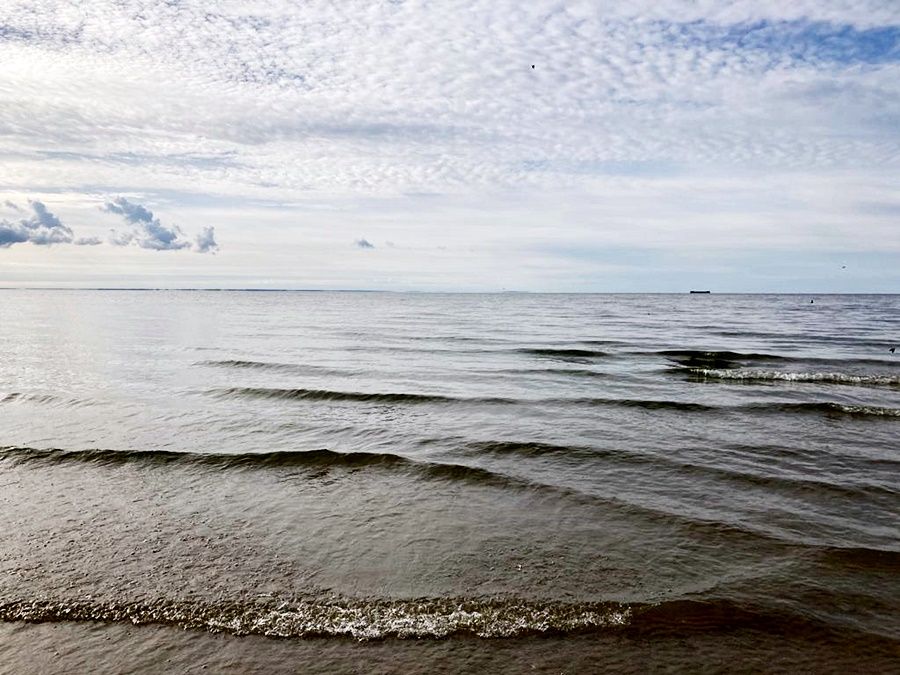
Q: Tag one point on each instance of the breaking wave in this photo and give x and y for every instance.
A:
(362, 620)
(751, 375)
(424, 618)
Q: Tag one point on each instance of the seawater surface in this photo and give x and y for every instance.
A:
(376, 482)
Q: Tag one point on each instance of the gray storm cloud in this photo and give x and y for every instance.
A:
(42, 228)
(148, 232)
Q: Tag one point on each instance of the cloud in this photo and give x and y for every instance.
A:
(693, 123)
(133, 213)
(363, 243)
(265, 100)
(120, 238)
(43, 228)
(206, 241)
(88, 241)
(150, 233)
(12, 233)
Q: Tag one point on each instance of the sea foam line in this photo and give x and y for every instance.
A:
(752, 375)
(362, 620)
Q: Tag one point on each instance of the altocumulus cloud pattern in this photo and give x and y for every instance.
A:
(648, 130)
(369, 96)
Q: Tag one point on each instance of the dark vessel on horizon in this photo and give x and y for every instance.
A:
(693, 292)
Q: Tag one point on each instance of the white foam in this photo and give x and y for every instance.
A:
(776, 375)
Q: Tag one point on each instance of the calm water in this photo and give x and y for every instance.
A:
(442, 483)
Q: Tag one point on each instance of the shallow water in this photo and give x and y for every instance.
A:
(400, 482)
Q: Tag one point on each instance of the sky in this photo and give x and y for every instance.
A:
(452, 145)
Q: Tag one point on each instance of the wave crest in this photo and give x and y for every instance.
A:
(431, 618)
(43, 399)
(363, 620)
(830, 408)
(327, 395)
(698, 358)
(753, 375)
(563, 353)
(310, 459)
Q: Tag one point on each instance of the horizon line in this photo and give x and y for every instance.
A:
(424, 292)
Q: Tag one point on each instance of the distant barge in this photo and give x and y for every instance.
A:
(693, 292)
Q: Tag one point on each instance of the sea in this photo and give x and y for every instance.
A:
(236, 481)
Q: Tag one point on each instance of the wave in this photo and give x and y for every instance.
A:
(756, 376)
(287, 458)
(328, 395)
(727, 356)
(818, 407)
(528, 448)
(790, 484)
(254, 365)
(827, 408)
(630, 457)
(431, 618)
(311, 459)
(563, 353)
(811, 407)
(868, 559)
(271, 366)
(30, 398)
(362, 620)
(316, 464)
(695, 358)
(43, 399)
(565, 372)
(646, 404)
